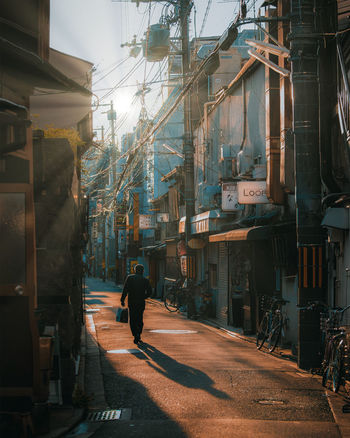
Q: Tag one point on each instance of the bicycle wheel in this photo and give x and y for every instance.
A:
(337, 367)
(170, 302)
(275, 332)
(262, 332)
(326, 363)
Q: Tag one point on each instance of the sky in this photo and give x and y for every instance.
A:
(94, 30)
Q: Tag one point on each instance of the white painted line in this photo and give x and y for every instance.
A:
(176, 332)
(91, 310)
(124, 351)
(92, 327)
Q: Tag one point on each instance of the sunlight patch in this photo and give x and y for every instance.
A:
(176, 332)
(124, 351)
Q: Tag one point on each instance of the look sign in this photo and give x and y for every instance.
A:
(252, 192)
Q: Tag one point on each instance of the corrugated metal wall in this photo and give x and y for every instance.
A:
(222, 309)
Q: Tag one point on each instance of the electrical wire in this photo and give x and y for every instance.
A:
(205, 17)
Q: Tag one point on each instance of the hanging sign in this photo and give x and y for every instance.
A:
(196, 243)
(146, 221)
(162, 217)
(252, 192)
(229, 198)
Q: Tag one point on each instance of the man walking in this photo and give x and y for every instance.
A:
(138, 288)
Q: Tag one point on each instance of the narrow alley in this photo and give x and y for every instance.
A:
(189, 379)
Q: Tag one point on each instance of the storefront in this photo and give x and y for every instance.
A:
(245, 272)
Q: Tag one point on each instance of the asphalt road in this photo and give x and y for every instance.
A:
(192, 380)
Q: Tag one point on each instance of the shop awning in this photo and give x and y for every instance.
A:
(240, 234)
(152, 248)
(336, 218)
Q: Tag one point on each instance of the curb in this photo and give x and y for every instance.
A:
(69, 415)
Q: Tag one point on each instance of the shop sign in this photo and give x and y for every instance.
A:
(252, 192)
(181, 248)
(183, 265)
(146, 221)
(182, 225)
(162, 217)
(196, 243)
(230, 197)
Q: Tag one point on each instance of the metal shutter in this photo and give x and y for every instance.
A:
(222, 300)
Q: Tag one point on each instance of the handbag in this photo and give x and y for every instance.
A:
(122, 315)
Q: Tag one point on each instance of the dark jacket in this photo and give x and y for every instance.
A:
(138, 288)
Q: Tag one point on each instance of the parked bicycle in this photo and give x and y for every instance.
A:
(177, 297)
(335, 363)
(272, 325)
(333, 345)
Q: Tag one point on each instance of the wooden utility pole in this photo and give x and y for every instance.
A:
(188, 149)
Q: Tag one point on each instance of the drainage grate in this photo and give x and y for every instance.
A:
(104, 415)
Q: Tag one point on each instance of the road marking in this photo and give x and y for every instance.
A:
(271, 402)
(125, 351)
(92, 327)
(91, 310)
(177, 332)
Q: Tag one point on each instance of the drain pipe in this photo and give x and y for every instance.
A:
(206, 128)
(310, 235)
(244, 121)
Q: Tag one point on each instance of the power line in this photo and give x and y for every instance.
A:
(205, 17)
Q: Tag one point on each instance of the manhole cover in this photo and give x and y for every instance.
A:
(104, 415)
(177, 332)
(271, 402)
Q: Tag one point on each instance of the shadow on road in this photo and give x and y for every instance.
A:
(180, 373)
(147, 419)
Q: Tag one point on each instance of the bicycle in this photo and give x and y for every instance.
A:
(336, 351)
(333, 347)
(176, 297)
(271, 325)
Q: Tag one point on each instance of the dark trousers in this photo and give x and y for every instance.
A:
(136, 319)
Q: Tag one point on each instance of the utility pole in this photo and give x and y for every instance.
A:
(112, 116)
(310, 236)
(188, 149)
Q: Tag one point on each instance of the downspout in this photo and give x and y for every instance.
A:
(244, 121)
(328, 80)
(206, 129)
(206, 106)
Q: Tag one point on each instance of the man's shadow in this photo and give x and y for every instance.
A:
(178, 372)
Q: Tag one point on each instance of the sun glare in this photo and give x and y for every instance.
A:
(123, 103)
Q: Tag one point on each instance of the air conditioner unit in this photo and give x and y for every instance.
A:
(245, 162)
(228, 161)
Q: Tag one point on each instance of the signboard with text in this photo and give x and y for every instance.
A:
(162, 217)
(230, 197)
(252, 192)
(146, 221)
